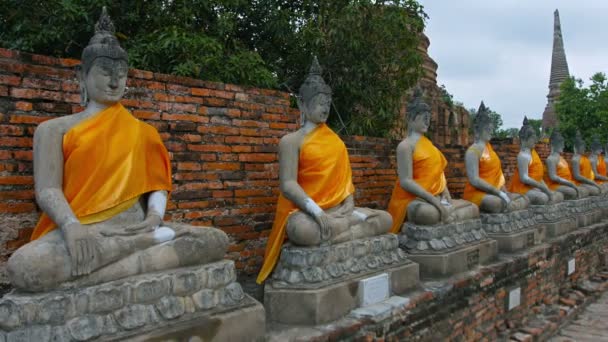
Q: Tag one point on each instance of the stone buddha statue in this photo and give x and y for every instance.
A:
(528, 177)
(316, 204)
(485, 181)
(101, 179)
(582, 172)
(598, 165)
(558, 176)
(421, 194)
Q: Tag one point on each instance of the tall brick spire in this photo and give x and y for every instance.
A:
(559, 72)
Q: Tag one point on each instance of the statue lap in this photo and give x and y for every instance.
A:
(493, 204)
(423, 213)
(45, 263)
(302, 229)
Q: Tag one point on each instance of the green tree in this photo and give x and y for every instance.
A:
(583, 108)
(367, 47)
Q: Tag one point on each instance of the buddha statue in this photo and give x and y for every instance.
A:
(558, 176)
(316, 205)
(101, 179)
(485, 181)
(598, 165)
(528, 177)
(421, 194)
(581, 169)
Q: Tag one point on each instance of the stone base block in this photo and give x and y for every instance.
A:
(555, 229)
(513, 242)
(141, 307)
(455, 261)
(311, 306)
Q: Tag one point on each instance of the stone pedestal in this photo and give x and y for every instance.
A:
(587, 211)
(513, 231)
(557, 219)
(316, 285)
(202, 302)
(444, 250)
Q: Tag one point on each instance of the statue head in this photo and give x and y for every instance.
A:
(557, 141)
(527, 135)
(314, 98)
(104, 65)
(483, 125)
(579, 143)
(418, 112)
(596, 145)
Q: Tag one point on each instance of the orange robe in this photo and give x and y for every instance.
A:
(536, 171)
(563, 171)
(110, 159)
(585, 169)
(490, 170)
(601, 168)
(428, 165)
(325, 175)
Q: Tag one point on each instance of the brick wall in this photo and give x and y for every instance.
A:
(222, 139)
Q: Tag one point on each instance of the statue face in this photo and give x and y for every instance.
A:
(558, 146)
(530, 142)
(421, 122)
(106, 80)
(486, 132)
(317, 108)
(580, 147)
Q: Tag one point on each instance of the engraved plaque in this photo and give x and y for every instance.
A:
(571, 266)
(373, 289)
(472, 259)
(514, 298)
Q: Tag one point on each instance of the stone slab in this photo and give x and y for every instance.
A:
(311, 306)
(456, 261)
(513, 242)
(129, 307)
(246, 323)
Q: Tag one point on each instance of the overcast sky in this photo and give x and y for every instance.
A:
(500, 51)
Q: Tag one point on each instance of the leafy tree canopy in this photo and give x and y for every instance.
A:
(368, 48)
(584, 108)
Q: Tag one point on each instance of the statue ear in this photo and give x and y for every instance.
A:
(84, 98)
(303, 109)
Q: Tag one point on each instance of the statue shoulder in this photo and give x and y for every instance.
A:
(292, 140)
(57, 125)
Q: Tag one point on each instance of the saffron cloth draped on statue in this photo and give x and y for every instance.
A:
(427, 166)
(110, 159)
(536, 171)
(563, 171)
(490, 170)
(601, 168)
(325, 175)
(585, 169)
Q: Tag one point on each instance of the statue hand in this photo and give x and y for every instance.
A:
(151, 222)
(324, 223)
(82, 247)
(505, 200)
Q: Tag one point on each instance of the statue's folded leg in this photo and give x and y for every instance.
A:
(423, 213)
(591, 190)
(519, 202)
(568, 192)
(303, 230)
(372, 222)
(537, 197)
(491, 204)
(464, 210)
